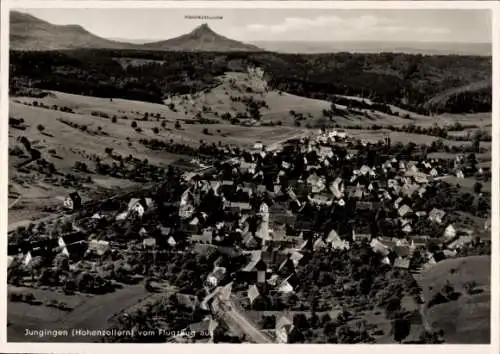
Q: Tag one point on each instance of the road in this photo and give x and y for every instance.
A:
(276, 144)
(233, 314)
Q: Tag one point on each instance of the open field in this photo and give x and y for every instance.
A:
(90, 312)
(376, 135)
(469, 315)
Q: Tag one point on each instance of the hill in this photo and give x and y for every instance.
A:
(402, 80)
(30, 33)
(467, 318)
(476, 93)
(204, 39)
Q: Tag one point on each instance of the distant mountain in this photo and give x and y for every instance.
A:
(202, 39)
(30, 33)
(425, 48)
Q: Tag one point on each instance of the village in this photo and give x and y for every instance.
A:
(321, 224)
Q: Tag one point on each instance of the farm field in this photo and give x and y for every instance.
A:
(468, 316)
(88, 312)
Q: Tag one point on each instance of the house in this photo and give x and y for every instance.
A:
(460, 242)
(487, 224)
(253, 293)
(217, 275)
(73, 202)
(402, 263)
(27, 259)
(62, 246)
(205, 237)
(402, 251)
(450, 233)
(283, 328)
(379, 247)
(286, 287)
(238, 207)
(256, 268)
(319, 244)
(407, 228)
(98, 247)
(420, 240)
(136, 207)
(360, 237)
(336, 242)
(185, 211)
(437, 215)
(320, 199)
(404, 210)
(171, 241)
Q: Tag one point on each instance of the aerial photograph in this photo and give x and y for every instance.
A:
(258, 175)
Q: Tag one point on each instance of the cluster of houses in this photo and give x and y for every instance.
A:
(261, 203)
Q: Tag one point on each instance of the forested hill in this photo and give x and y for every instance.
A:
(419, 83)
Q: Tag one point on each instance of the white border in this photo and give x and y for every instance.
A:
(492, 348)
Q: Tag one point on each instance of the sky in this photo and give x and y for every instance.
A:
(282, 24)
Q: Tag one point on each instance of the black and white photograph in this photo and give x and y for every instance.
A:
(257, 175)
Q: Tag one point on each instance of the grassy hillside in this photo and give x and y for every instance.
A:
(87, 129)
(466, 319)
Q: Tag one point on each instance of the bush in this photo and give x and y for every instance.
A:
(177, 125)
(108, 150)
(114, 119)
(156, 130)
(28, 297)
(205, 131)
(40, 128)
(134, 124)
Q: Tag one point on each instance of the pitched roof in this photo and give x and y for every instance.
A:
(98, 246)
(253, 293)
(403, 210)
(284, 321)
(402, 263)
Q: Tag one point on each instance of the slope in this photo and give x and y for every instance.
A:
(466, 319)
(204, 39)
(30, 33)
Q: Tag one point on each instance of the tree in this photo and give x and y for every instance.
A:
(114, 119)
(476, 142)
(177, 125)
(400, 329)
(478, 187)
(40, 128)
(392, 307)
(134, 124)
(156, 130)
